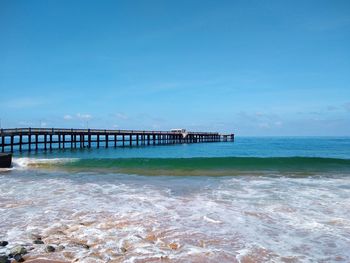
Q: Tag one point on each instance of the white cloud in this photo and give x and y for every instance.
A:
(67, 117)
(121, 116)
(278, 123)
(264, 125)
(84, 116)
(25, 123)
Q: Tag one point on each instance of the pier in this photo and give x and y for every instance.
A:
(34, 139)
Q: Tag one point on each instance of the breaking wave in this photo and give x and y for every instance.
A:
(192, 166)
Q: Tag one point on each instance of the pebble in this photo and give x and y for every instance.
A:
(50, 249)
(18, 258)
(151, 238)
(61, 247)
(4, 259)
(21, 250)
(35, 236)
(173, 246)
(38, 242)
(81, 245)
(3, 243)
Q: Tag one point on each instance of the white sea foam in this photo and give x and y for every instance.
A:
(24, 162)
(210, 220)
(134, 219)
(4, 170)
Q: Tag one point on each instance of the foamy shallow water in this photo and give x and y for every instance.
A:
(128, 218)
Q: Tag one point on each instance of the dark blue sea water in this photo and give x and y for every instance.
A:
(271, 199)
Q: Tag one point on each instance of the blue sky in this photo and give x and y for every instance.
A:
(252, 67)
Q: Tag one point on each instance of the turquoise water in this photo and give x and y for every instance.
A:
(287, 154)
(254, 200)
(328, 147)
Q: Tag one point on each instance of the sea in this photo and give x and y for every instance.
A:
(258, 199)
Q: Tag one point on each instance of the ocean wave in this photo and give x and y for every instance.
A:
(193, 166)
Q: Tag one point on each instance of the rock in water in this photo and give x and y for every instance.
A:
(85, 246)
(4, 259)
(60, 247)
(81, 245)
(50, 249)
(3, 243)
(38, 242)
(18, 258)
(173, 246)
(5, 160)
(151, 238)
(35, 236)
(21, 250)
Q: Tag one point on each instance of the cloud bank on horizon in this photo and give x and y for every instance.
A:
(252, 67)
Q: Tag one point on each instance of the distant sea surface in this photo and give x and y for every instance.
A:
(263, 199)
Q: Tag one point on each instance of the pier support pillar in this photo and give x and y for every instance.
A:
(89, 139)
(82, 140)
(20, 142)
(3, 143)
(29, 140)
(12, 140)
(36, 142)
(45, 142)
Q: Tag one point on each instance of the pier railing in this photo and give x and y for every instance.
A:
(60, 138)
